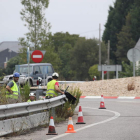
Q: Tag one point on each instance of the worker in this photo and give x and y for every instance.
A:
(53, 87)
(12, 93)
(32, 97)
(94, 79)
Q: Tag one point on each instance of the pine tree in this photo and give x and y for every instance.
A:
(125, 41)
(115, 22)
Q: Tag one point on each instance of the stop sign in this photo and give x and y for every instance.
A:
(37, 56)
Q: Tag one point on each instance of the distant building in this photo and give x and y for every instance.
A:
(8, 50)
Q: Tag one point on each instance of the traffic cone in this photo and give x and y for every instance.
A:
(102, 105)
(80, 116)
(51, 130)
(70, 128)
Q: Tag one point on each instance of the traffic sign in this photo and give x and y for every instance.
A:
(109, 68)
(138, 45)
(105, 72)
(37, 56)
(133, 55)
(105, 68)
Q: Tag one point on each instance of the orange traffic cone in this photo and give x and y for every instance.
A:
(80, 116)
(51, 130)
(102, 105)
(70, 128)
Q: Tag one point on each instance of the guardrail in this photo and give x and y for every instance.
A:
(1, 82)
(26, 115)
(60, 82)
(42, 90)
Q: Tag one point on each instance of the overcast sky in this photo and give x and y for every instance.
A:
(73, 16)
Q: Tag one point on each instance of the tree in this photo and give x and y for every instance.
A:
(11, 64)
(93, 71)
(116, 20)
(65, 56)
(38, 36)
(135, 20)
(34, 17)
(59, 39)
(63, 44)
(125, 41)
(52, 57)
(127, 70)
(84, 55)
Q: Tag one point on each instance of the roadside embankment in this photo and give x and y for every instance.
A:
(113, 87)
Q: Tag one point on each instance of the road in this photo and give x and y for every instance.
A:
(120, 121)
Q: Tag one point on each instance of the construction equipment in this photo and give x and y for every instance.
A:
(70, 98)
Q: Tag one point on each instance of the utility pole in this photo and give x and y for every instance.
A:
(100, 46)
(108, 57)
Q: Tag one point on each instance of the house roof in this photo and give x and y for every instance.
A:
(11, 45)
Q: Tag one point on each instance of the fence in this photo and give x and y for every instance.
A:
(21, 116)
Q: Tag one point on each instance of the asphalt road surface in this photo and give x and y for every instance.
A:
(119, 121)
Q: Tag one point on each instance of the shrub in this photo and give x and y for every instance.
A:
(3, 99)
(131, 86)
(25, 91)
(67, 110)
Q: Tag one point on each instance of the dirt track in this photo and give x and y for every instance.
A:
(113, 87)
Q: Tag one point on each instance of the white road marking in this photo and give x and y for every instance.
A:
(128, 101)
(121, 97)
(85, 127)
(37, 56)
(95, 97)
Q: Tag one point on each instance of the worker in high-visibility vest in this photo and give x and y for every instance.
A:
(53, 87)
(12, 93)
(32, 97)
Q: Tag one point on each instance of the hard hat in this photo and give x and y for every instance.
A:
(31, 94)
(55, 74)
(16, 74)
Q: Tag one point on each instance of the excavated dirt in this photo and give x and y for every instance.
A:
(114, 87)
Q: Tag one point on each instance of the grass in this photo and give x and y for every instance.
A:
(3, 99)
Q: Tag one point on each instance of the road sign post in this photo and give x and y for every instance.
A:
(102, 72)
(134, 62)
(28, 60)
(109, 68)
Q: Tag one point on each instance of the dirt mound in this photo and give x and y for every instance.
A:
(114, 87)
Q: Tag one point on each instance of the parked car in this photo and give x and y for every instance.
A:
(43, 70)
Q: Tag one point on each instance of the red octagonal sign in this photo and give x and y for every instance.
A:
(37, 56)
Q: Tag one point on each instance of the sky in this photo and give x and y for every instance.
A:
(74, 16)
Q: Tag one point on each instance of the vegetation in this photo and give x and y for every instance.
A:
(3, 99)
(72, 56)
(24, 92)
(67, 110)
(93, 71)
(115, 22)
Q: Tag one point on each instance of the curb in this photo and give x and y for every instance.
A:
(109, 97)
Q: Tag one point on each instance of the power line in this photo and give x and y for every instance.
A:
(89, 31)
